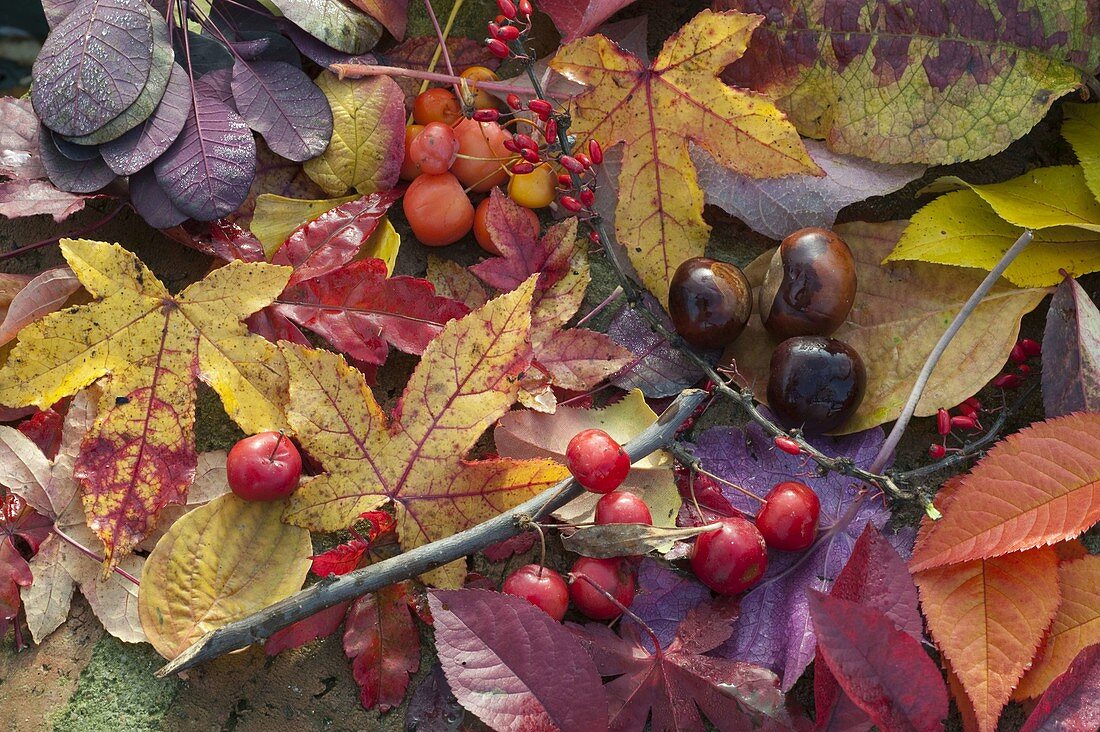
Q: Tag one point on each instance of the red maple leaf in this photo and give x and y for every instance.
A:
(22, 531)
(671, 686)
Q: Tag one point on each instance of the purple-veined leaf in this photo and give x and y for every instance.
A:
(1071, 352)
(432, 706)
(32, 197)
(47, 292)
(74, 176)
(496, 651)
(94, 65)
(57, 10)
(1072, 703)
(285, 106)
(334, 23)
(334, 238)
(71, 150)
(205, 53)
(267, 46)
(208, 170)
(777, 206)
(774, 628)
(381, 640)
(576, 18)
(217, 84)
(19, 140)
(663, 600)
(659, 369)
(139, 147)
(151, 201)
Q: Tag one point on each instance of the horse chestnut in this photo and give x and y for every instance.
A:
(815, 383)
(809, 286)
(709, 301)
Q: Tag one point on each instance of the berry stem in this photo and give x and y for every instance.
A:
(625, 610)
(693, 464)
(610, 299)
(971, 305)
(275, 447)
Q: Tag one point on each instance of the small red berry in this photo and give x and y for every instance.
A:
(542, 587)
(936, 452)
(513, 101)
(594, 237)
(787, 445)
(973, 403)
(507, 9)
(531, 156)
(510, 145)
(486, 115)
(526, 142)
(571, 204)
(494, 30)
(522, 168)
(571, 164)
(595, 152)
(509, 33)
(263, 467)
(622, 507)
(1031, 347)
(551, 129)
(564, 180)
(588, 197)
(1017, 354)
(1007, 381)
(731, 558)
(963, 422)
(943, 422)
(584, 160)
(597, 462)
(615, 576)
(1023, 370)
(497, 47)
(788, 518)
(541, 107)
(968, 410)
(526, 7)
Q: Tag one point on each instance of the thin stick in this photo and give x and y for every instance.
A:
(442, 47)
(330, 591)
(971, 305)
(92, 555)
(79, 232)
(358, 71)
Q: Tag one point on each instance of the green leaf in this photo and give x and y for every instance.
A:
(276, 217)
(1043, 198)
(930, 81)
(961, 229)
(1082, 129)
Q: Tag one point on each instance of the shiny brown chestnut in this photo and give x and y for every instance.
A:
(815, 383)
(809, 286)
(709, 301)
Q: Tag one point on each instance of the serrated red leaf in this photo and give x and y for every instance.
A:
(334, 238)
(517, 544)
(319, 625)
(381, 640)
(671, 686)
(1036, 487)
(340, 559)
(22, 531)
(43, 428)
(882, 669)
(359, 310)
(512, 665)
(1072, 703)
(1071, 352)
(522, 252)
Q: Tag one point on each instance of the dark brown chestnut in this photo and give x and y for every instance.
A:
(815, 383)
(709, 301)
(809, 286)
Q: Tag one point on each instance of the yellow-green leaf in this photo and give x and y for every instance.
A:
(218, 563)
(1082, 129)
(961, 229)
(276, 217)
(151, 346)
(900, 311)
(368, 135)
(384, 244)
(467, 378)
(656, 109)
(1044, 197)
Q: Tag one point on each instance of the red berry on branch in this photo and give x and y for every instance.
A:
(787, 445)
(571, 164)
(497, 47)
(564, 180)
(788, 518)
(584, 160)
(595, 152)
(510, 145)
(1023, 370)
(1017, 354)
(509, 33)
(622, 507)
(542, 587)
(588, 197)
(551, 129)
(522, 168)
(973, 403)
(936, 452)
(494, 30)
(968, 410)
(531, 156)
(571, 204)
(513, 101)
(943, 422)
(614, 576)
(963, 422)
(1007, 381)
(526, 7)
(526, 142)
(541, 107)
(507, 9)
(731, 558)
(486, 115)
(597, 461)
(594, 237)
(1031, 347)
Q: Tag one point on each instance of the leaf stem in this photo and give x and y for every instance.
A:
(971, 305)
(358, 71)
(92, 555)
(442, 47)
(79, 232)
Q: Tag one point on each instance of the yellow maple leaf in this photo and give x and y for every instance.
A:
(656, 110)
(139, 455)
(468, 377)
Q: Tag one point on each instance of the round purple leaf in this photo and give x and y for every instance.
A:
(75, 176)
(71, 150)
(208, 170)
(152, 203)
(139, 147)
(285, 106)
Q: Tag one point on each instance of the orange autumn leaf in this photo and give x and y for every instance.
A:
(988, 617)
(1076, 625)
(150, 347)
(1036, 487)
(468, 377)
(656, 109)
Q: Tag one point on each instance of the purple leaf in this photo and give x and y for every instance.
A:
(217, 84)
(57, 10)
(152, 202)
(94, 65)
(659, 369)
(139, 147)
(208, 170)
(1072, 702)
(32, 197)
(512, 665)
(319, 53)
(321, 624)
(1071, 352)
(205, 53)
(576, 18)
(432, 706)
(285, 106)
(664, 598)
(774, 628)
(71, 150)
(334, 23)
(777, 206)
(269, 46)
(74, 176)
(19, 140)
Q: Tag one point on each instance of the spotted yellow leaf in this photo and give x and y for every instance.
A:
(149, 347)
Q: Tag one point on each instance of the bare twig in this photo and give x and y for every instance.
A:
(330, 591)
(971, 305)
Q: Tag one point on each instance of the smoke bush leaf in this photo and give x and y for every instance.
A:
(284, 105)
